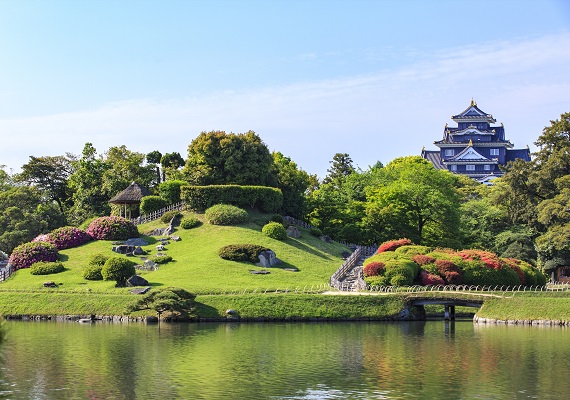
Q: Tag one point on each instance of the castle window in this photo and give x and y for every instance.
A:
(449, 152)
(487, 167)
(494, 152)
(470, 167)
(454, 167)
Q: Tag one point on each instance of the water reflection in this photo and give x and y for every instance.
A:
(433, 359)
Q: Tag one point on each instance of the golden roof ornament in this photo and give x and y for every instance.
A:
(473, 103)
(470, 142)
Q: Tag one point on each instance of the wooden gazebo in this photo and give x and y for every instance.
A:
(128, 198)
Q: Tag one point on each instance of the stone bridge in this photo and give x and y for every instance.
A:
(449, 304)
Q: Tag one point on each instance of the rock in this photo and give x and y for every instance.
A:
(138, 251)
(124, 249)
(268, 259)
(156, 232)
(160, 247)
(136, 242)
(50, 284)
(136, 280)
(169, 230)
(326, 239)
(291, 269)
(175, 238)
(257, 272)
(293, 231)
(150, 265)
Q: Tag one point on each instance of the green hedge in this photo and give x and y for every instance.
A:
(200, 198)
(225, 214)
(150, 204)
(46, 268)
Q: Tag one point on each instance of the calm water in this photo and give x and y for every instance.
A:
(431, 360)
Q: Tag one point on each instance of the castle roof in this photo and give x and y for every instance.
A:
(473, 113)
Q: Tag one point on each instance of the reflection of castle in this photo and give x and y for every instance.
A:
(474, 148)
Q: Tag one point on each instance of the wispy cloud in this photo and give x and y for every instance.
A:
(373, 117)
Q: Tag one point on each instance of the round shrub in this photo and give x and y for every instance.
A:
(28, 253)
(400, 280)
(422, 259)
(413, 250)
(430, 279)
(275, 230)
(449, 271)
(392, 245)
(112, 228)
(150, 204)
(225, 214)
(375, 268)
(118, 269)
(92, 272)
(189, 223)
(68, 237)
(167, 216)
(98, 259)
(316, 232)
(277, 218)
(376, 281)
(162, 259)
(241, 252)
(46, 268)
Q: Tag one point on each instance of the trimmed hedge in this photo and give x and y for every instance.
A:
(242, 252)
(275, 230)
(46, 268)
(190, 222)
(225, 214)
(150, 204)
(112, 228)
(200, 198)
(92, 272)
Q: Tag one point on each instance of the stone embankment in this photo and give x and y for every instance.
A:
(536, 322)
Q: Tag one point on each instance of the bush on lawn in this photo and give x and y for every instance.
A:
(92, 272)
(224, 214)
(46, 268)
(112, 228)
(167, 216)
(118, 269)
(190, 222)
(275, 230)
(241, 252)
(28, 253)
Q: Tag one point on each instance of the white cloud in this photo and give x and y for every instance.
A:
(375, 117)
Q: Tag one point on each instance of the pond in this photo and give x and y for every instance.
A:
(360, 360)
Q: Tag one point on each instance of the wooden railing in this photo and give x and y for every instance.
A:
(5, 272)
(157, 214)
(346, 267)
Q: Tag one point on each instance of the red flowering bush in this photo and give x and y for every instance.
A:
(112, 228)
(374, 268)
(393, 245)
(514, 264)
(428, 279)
(422, 259)
(449, 271)
(491, 260)
(29, 253)
(65, 237)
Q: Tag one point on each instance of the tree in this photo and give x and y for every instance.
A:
(293, 183)
(50, 174)
(219, 158)
(118, 269)
(341, 166)
(123, 168)
(154, 158)
(416, 201)
(171, 163)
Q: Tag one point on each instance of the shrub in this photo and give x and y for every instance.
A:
(190, 222)
(170, 190)
(92, 272)
(400, 280)
(316, 232)
(98, 259)
(68, 237)
(241, 252)
(275, 230)
(28, 253)
(491, 260)
(393, 245)
(150, 204)
(118, 269)
(412, 250)
(374, 268)
(225, 214)
(46, 268)
(167, 216)
(449, 271)
(422, 259)
(174, 301)
(112, 228)
(376, 281)
(277, 218)
(162, 259)
(429, 279)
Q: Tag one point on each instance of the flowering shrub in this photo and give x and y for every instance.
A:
(393, 245)
(44, 237)
(490, 260)
(28, 253)
(112, 228)
(67, 237)
(514, 264)
(422, 259)
(449, 271)
(374, 268)
(428, 279)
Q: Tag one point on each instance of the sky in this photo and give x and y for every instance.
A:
(374, 79)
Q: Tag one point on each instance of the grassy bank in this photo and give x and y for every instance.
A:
(528, 306)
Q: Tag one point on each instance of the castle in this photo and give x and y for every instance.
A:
(475, 148)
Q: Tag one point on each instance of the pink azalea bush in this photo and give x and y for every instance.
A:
(29, 253)
(65, 237)
(112, 228)
(393, 245)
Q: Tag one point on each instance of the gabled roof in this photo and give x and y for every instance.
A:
(473, 113)
(131, 195)
(469, 154)
(434, 157)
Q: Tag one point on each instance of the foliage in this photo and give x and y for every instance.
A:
(277, 218)
(423, 259)
(29, 253)
(225, 214)
(190, 222)
(429, 279)
(218, 158)
(171, 163)
(150, 204)
(65, 237)
(118, 269)
(112, 228)
(316, 232)
(154, 158)
(92, 272)
(266, 199)
(242, 252)
(341, 166)
(170, 190)
(392, 245)
(412, 250)
(293, 183)
(373, 269)
(275, 230)
(98, 259)
(167, 216)
(174, 301)
(449, 272)
(161, 259)
(46, 268)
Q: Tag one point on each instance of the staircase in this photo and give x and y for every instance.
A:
(349, 277)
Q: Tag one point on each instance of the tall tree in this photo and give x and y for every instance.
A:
(293, 183)
(341, 166)
(124, 167)
(171, 163)
(154, 158)
(219, 158)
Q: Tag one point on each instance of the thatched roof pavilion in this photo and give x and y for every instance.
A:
(129, 197)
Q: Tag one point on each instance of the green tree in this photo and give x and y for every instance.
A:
(293, 183)
(416, 201)
(171, 163)
(219, 158)
(154, 158)
(49, 174)
(123, 168)
(341, 166)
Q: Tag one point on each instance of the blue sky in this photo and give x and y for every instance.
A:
(374, 79)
